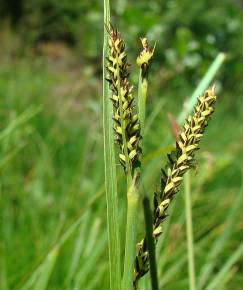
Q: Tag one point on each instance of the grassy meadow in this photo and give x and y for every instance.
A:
(53, 229)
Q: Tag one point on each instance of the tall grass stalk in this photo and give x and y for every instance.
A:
(142, 93)
(110, 170)
(151, 243)
(131, 236)
(189, 232)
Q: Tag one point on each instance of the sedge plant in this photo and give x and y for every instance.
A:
(124, 122)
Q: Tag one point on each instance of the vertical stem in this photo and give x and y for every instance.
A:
(150, 243)
(131, 233)
(189, 233)
(142, 96)
(110, 172)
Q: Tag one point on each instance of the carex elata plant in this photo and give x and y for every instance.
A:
(128, 115)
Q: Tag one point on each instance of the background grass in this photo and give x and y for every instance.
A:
(52, 198)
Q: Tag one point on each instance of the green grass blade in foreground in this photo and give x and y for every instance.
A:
(189, 232)
(110, 171)
(217, 280)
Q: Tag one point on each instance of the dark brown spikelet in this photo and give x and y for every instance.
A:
(126, 123)
(179, 161)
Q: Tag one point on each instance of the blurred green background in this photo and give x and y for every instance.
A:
(52, 200)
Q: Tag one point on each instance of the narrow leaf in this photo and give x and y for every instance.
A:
(110, 171)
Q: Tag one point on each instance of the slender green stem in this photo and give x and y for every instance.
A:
(131, 234)
(150, 242)
(142, 96)
(189, 233)
(110, 171)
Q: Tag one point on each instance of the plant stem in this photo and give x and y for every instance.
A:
(131, 233)
(189, 233)
(142, 96)
(110, 172)
(150, 242)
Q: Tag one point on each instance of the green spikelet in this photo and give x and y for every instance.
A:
(126, 123)
(143, 61)
(145, 57)
(179, 161)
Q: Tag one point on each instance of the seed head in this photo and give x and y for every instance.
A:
(145, 57)
(126, 123)
(179, 161)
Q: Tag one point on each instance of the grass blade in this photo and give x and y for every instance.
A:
(215, 283)
(110, 171)
(46, 271)
(65, 236)
(89, 264)
(21, 119)
(78, 248)
(220, 242)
